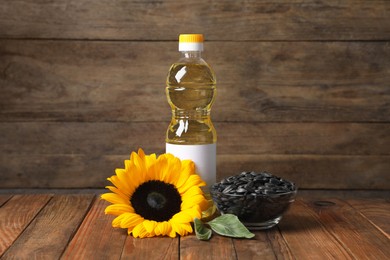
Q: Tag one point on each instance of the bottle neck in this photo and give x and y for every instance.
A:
(201, 114)
(191, 54)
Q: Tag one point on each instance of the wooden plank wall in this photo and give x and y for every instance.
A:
(303, 88)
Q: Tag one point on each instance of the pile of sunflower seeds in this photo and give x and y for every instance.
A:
(253, 197)
(254, 183)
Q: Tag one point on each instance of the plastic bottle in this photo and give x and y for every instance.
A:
(191, 89)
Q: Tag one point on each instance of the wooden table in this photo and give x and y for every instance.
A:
(74, 226)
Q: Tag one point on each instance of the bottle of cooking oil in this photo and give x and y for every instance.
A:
(191, 89)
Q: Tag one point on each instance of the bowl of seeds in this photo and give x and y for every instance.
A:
(257, 199)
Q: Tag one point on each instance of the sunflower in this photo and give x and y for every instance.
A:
(155, 196)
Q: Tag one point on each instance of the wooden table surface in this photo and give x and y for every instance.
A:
(74, 226)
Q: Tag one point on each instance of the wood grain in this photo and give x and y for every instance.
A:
(16, 215)
(217, 247)
(68, 227)
(307, 238)
(307, 171)
(89, 241)
(80, 138)
(265, 245)
(50, 231)
(302, 88)
(315, 172)
(151, 248)
(314, 155)
(164, 20)
(351, 229)
(344, 194)
(257, 81)
(279, 244)
(377, 211)
(4, 199)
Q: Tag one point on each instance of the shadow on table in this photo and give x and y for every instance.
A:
(293, 222)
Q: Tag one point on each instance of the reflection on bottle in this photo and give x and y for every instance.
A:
(183, 127)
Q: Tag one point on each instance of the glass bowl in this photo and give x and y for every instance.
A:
(257, 199)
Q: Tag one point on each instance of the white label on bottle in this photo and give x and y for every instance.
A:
(203, 155)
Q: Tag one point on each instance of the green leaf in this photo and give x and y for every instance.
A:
(202, 232)
(229, 225)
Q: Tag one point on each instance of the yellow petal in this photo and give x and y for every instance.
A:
(114, 198)
(139, 162)
(137, 167)
(119, 185)
(174, 172)
(191, 192)
(150, 160)
(182, 217)
(172, 233)
(193, 180)
(163, 228)
(150, 225)
(123, 177)
(118, 192)
(139, 231)
(117, 209)
(132, 156)
(194, 196)
(114, 180)
(188, 215)
(141, 153)
(136, 177)
(169, 168)
(181, 229)
(160, 167)
(127, 180)
(165, 167)
(187, 227)
(117, 221)
(131, 220)
(154, 171)
(187, 169)
(127, 164)
(195, 200)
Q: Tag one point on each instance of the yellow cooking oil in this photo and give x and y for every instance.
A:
(190, 99)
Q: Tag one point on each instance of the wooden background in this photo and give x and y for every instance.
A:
(303, 88)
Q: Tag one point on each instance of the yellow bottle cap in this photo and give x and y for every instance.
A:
(191, 42)
(191, 38)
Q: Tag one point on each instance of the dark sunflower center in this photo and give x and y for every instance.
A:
(156, 200)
